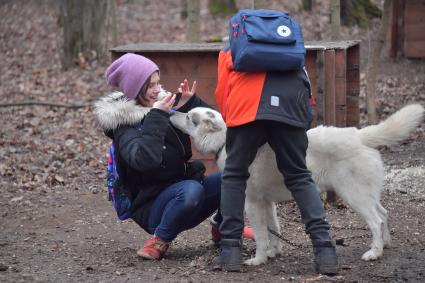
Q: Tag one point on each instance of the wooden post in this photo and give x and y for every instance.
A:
(340, 88)
(353, 86)
(330, 115)
(320, 96)
(414, 26)
(400, 27)
(311, 66)
(329, 64)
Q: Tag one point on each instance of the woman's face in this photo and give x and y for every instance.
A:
(148, 98)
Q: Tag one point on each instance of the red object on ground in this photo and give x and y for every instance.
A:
(247, 233)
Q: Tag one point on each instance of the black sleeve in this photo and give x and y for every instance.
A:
(194, 101)
(142, 149)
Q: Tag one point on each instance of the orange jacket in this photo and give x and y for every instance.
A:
(236, 106)
(243, 97)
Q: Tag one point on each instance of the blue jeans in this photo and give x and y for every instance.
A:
(183, 206)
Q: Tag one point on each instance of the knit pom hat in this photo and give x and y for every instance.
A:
(129, 73)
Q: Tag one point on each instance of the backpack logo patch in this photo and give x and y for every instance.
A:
(283, 31)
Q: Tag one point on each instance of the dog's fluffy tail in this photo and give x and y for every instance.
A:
(395, 128)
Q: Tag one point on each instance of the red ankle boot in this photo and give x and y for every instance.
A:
(154, 248)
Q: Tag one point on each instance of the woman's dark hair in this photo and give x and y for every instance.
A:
(145, 86)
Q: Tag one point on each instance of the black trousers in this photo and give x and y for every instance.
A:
(290, 145)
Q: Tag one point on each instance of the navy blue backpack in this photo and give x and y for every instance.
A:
(265, 40)
(116, 195)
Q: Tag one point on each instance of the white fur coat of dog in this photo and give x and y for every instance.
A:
(344, 160)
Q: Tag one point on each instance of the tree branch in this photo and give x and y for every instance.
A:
(43, 103)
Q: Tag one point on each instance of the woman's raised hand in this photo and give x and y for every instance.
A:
(166, 103)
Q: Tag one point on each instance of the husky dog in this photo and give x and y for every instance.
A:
(344, 160)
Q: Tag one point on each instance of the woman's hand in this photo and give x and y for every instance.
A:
(166, 103)
(186, 92)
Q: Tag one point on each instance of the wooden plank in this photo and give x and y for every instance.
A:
(323, 45)
(392, 33)
(311, 66)
(353, 86)
(150, 47)
(320, 96)
(340, 88)
(414, 32)
(202, 63)
(329, 69)
(353, 115)
(414, 49)
(400, 27)
(414, 11)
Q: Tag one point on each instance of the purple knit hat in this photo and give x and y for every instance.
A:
(129, 73)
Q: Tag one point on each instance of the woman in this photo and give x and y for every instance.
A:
(168, 193)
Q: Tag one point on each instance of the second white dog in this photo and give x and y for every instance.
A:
(344, 160)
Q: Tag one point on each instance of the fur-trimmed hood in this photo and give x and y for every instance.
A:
(115, 109)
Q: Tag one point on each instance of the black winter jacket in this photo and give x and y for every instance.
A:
(150, 153)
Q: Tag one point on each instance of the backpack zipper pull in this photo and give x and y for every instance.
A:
(235, 27)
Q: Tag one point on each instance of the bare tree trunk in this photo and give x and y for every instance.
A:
(193, 23)
(261, 4)
(113, 15)
(308, 5)
(373, 61)
(83, 22)
(222, 7)
(358, 12)
(183, 11)
(336, 19)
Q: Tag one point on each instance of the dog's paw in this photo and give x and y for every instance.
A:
(271, 253)
(255, 261)
(276, 247)
(371, 254)
(387, 241)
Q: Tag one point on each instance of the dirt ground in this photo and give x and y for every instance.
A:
(55, 222)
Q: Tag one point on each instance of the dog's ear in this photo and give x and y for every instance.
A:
(211, 126)
(210, 114)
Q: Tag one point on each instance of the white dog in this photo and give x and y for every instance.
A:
(341, 159)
